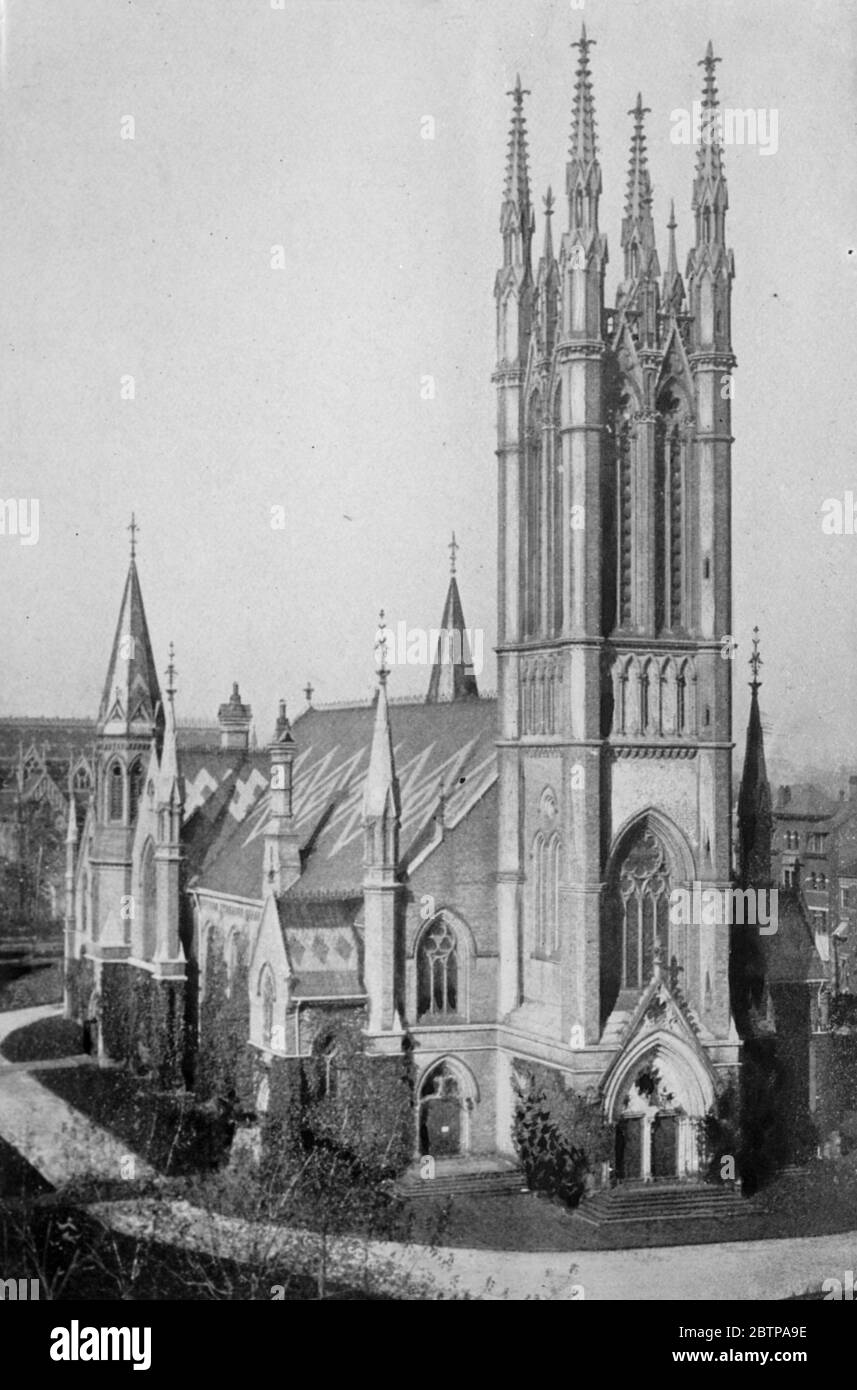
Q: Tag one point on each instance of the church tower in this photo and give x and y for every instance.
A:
(614, 606)
(130, 716)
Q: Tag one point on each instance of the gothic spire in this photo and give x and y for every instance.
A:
(673, 289)
(710, 199)
(755, 821)
(170, 784)
(583, 172)
(516, 214)
(452, 674)
(381, 792)
(547, 249)
(131, 699)
(638, 231)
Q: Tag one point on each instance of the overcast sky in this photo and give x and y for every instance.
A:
(300, 387)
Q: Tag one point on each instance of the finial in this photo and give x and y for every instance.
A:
(638, 109)
(755, 662)
(171, 674)
(672, 224)
(453, 548)
(548, 201)
(381, 643)
(519, 92)
(308, 692)
(133, 528)
(583, 42)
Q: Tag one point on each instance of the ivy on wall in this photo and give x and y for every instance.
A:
(560, 1136)
(223, 1061)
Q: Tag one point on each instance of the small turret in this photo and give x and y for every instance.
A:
(452, 675)
(282, 845)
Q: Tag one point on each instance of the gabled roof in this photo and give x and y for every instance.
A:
(433, 744)
(324, 945)
(790, 953)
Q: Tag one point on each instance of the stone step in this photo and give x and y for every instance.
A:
(695, 1202)
(488, 1183)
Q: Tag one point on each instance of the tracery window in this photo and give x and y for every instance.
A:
(437, 971)
(644, 889)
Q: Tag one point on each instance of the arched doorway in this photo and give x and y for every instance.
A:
(657, 1103)
(445, 1102)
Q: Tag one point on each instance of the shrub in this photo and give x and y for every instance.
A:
(43, 1040)
(560, 1136)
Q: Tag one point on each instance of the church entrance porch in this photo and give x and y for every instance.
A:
(657, 1098)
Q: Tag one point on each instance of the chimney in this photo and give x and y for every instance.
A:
(852, 788)
(235, 720)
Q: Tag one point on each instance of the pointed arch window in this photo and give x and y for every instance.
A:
(624, 505)
(437, 971)
(533, 532)
(269, 996)
(115, 792)
(644, 892)
(135, 789)
(546, 859)
(558, 502)
(326, 1050)
(669, 514)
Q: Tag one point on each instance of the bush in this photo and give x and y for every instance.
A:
(561, 1137)
(38, 984)
(169, 1130)
(43, 1040)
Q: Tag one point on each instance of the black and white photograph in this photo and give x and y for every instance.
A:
(428, 698)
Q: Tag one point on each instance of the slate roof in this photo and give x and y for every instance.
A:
(324, 943)
(806, 799)
(790, 953)
(452, 743)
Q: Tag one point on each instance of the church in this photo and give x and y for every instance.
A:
(481, 882)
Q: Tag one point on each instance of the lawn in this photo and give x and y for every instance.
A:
(821, 1201)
